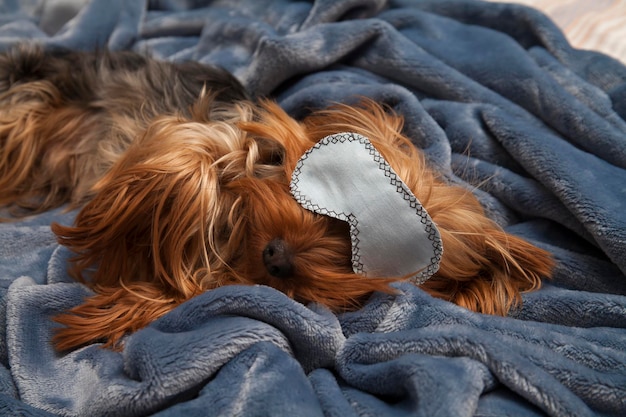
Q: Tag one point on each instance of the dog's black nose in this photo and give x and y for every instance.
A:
(278, 259)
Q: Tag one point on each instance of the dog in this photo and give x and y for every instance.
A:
(182, 185)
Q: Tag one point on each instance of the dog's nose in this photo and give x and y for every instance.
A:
(277, 259)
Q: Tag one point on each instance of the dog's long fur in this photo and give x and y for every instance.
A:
(67, 116)
(183, 185)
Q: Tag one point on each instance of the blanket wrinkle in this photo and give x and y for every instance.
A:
(531, 198)
(331, 86)
(314, 334)
(255, 382)
(184, 23)
(576, 308)
(307, 51)
(499, 103)
(114, 30)
(531, 144)
(416, 377)
(328, 11)
(589, 95)
(532, 28)
(519, 82)
(458, 340)
(56, 13)
(534, 375)
(329, 393)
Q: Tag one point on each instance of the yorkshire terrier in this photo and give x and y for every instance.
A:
(183, 185)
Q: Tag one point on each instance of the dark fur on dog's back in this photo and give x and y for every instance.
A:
(84, 77)
(58, 106)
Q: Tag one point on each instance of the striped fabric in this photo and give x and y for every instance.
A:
(599, 24)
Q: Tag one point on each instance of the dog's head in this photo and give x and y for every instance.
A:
(204, 202)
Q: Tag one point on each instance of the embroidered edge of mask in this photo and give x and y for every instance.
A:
(343, 176)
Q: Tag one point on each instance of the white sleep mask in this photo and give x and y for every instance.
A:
(343, 176)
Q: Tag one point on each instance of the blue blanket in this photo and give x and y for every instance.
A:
(495, 97)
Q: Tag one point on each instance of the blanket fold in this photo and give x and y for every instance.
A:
(499, 103)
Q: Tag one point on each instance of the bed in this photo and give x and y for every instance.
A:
(499, 101)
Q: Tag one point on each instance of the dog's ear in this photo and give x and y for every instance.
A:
(150, 215)
(483, 268)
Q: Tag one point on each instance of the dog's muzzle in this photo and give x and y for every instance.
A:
(277, 258)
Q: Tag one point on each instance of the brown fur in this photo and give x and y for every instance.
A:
(185, 198)
(66, 116)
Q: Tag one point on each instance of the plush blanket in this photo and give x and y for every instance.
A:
(498, 101)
